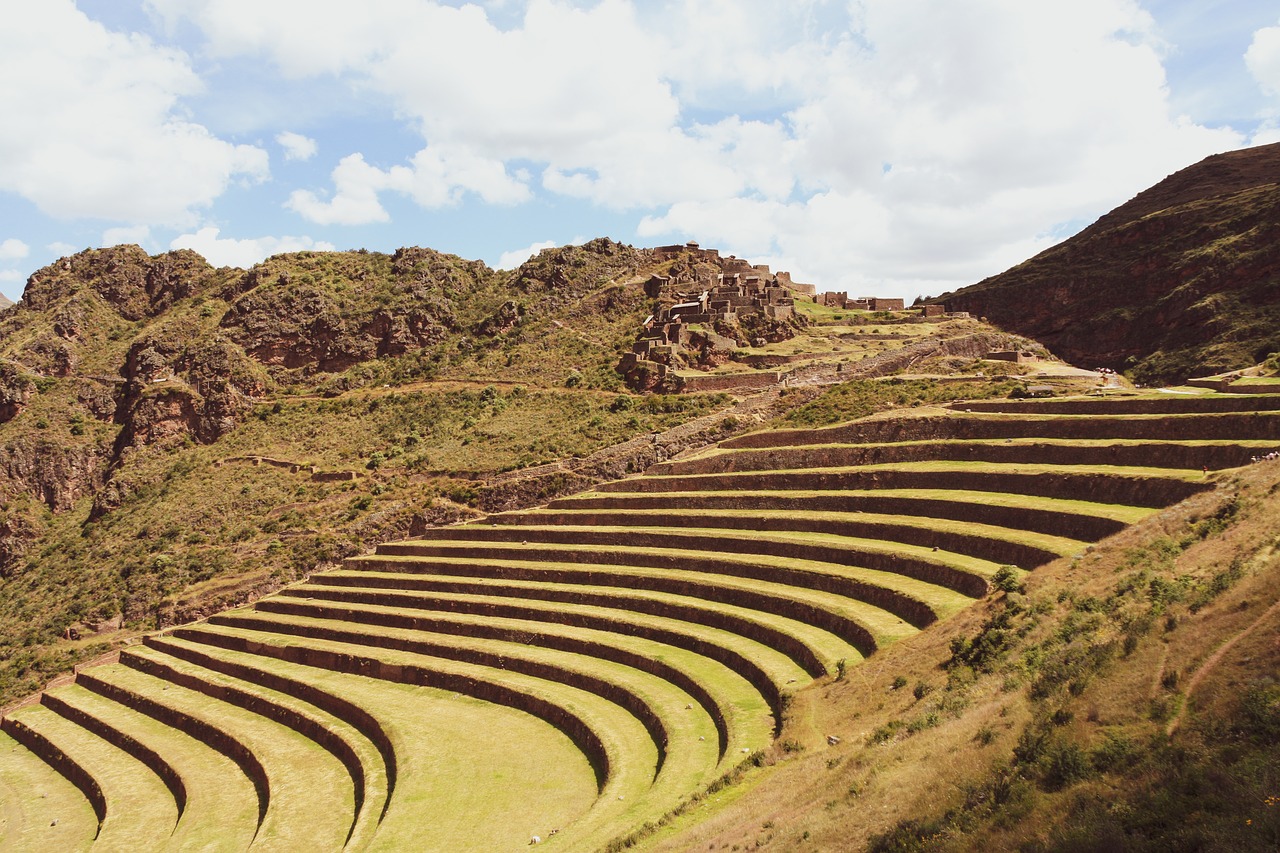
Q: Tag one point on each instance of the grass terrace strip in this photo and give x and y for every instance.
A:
(1140, 487)
(1165, 404)
(136, 807)
(69, 768)
(740, 656)
(720, 688)
(1082, 520)
(456, 760)
(220, 808)
(957, 572)
(379, 775)
(667, 617)
(1037, 451)
(311, 801)
(1257, 426)
(985, 542)
(154, 761)
(40, 810)
(617, 743)
(326, 732)
(648, 699)
(882, 606)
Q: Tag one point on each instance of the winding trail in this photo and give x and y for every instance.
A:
(1212, 662)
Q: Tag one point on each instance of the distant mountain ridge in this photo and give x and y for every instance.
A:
(1182, 280)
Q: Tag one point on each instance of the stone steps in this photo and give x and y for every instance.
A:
(1214, 455)
(133, 804)
(1082, 520)
(40, 810)
(218, 805)
(985, 542)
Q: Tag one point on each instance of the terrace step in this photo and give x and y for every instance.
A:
(864, 607)
(1082, 520)
(40, 810)
(739, 713)
(619, 745)
(673, 661)
(985, 542)
(421, 728)
(1138, 487)
(1179, 426)
(218, 804)
(134, 806)
(633, 602)
(957, 572)
(178, 663)
(1167, 404)
(1214, 455)
(308, 802)
(646, 697)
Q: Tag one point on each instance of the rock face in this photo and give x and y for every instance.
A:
(1182, 280)
(323, 314)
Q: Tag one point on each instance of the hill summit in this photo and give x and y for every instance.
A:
(1182, 280)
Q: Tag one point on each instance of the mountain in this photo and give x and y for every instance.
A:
(1182, 280)
(5, 302)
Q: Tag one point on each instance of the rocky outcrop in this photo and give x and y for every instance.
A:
(15, 390)
(134, 283)
(1182, 280)
(53, 472)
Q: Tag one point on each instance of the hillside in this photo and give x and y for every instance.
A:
(178, 438)
(140, 396)
(1183, 280)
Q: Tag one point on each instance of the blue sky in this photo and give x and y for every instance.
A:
(890, 147)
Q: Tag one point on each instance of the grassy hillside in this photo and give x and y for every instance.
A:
(1126, 697)
(138, 393)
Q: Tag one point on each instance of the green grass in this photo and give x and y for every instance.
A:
(706, 520)
(885, 627)
(506, 794)
(221, 805)
(1118, 512)
(588, 581)
(39, 809)
(139, 807)
(624, 799)
(310, 792)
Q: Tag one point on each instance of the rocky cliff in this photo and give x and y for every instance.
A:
(1182, 280)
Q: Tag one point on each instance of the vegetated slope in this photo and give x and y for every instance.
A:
(658, 633)
(1183, 280)
(1124, 697)
(139, 395)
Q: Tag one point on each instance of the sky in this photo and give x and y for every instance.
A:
(883, 147)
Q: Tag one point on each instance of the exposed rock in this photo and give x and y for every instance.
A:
(1182, 280)
(15, 390)
(135, 284)
(50, 471)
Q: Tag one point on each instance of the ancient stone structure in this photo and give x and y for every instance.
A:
(706, 307)
(862, 303)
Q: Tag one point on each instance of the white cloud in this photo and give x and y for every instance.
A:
(230, 252)
(61, 249)
(516, 257)
(13, 249)
(96, 130)
(137, 234)
(296, 146)
(898, 143)
(1263, 59)
(437, 176)
(10, 276)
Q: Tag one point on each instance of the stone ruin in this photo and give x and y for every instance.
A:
(705, 308)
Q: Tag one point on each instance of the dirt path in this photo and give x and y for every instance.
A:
(1212, 662)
